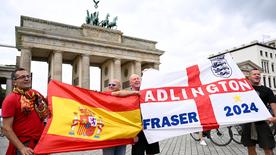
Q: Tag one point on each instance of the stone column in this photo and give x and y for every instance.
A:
(8, 86)
(107, 73)
(85, 71)
(26, 58)
(55, 65)
(81, 71)
(76, 71)
(117, 69)
(137, 68)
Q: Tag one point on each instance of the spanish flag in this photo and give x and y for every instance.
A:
(86, 120)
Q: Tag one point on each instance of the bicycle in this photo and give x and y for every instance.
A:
(237, 132)
(221, 136)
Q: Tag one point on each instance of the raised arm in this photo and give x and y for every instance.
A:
(125, 93)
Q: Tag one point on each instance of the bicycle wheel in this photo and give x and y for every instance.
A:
(196, 136)
(221, 136)
(236, 131)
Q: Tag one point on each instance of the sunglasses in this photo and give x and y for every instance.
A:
(23, 77)
(111, 84)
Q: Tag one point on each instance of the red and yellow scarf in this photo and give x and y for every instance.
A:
(31, 100)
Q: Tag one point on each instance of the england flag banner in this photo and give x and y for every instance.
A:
(204, 96)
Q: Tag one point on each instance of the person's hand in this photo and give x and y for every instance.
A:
(26, 151)
(272, 120)
(137, 92)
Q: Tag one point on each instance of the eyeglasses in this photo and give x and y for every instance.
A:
(111, 84)
(23, 77)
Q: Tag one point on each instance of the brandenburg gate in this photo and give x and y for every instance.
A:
(117, 56)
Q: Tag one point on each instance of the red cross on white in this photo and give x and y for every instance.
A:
(196, 99)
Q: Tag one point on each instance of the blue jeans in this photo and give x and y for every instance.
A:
(116, 150)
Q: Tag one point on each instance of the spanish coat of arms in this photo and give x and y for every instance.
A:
(85, 123)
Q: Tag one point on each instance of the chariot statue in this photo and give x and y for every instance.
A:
(105, 22)
(113, 23)
(93, 18)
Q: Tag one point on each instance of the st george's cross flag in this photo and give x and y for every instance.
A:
(85, 120)
(204, 96)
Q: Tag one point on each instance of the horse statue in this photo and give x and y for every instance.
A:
(105, 22)
(113, 23)
(88, 18)
(95, 18)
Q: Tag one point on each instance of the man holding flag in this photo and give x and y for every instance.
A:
(259, 132)
(113, 87)
(142, 145)
(24, 111)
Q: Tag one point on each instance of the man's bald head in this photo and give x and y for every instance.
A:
(114, 85)
(135, 82)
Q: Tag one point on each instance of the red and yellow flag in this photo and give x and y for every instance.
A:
(85, 120)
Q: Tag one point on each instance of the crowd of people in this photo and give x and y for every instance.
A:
(24, 106)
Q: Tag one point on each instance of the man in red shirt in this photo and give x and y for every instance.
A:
(23, 113)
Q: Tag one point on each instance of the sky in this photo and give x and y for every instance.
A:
(187, 30)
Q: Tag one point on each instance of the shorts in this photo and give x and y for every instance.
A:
(265, 139)
(142, 145)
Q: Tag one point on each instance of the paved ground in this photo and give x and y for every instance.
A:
(182, 145)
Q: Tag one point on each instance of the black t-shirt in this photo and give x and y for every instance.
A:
(265, 94)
